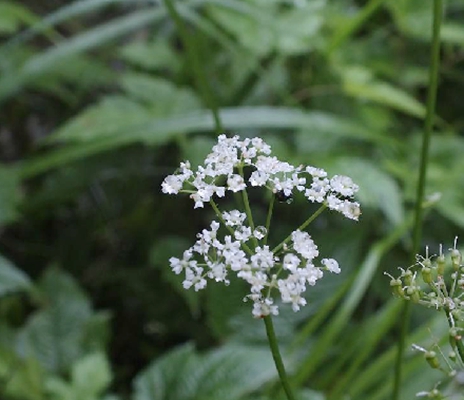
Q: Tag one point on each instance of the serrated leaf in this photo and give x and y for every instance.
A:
(220, 371)
(12, 279)
(258, 28)
(161, 378)
(184, 375)
(54, 335)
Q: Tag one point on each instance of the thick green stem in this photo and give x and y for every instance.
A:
(194, 59)
(419, 210)
(277, 357)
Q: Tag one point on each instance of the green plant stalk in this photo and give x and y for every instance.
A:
(269, 217)
(277, 357)
(428, 127)
(196, 64)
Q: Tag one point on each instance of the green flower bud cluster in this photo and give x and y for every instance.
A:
(434, 281)
(437, 281)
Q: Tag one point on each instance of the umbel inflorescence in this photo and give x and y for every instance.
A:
(242, 249)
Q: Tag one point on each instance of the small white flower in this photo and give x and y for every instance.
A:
(235, 183)
(304, 245)
(331, 265)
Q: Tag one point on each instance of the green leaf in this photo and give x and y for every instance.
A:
(163, 375)
(183, 375)
(150, 56)
(90, 376)
(25, 380)
(161, 96)
(103, 127)
(358, 83)
(54, 335)
(10, 194)
(262, 27)
(12, 279)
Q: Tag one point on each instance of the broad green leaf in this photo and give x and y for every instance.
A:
(54, 335)
(220, 370)
(290, 32)
(96, 131)
(10, 194)
(91, 375)
(25, 380)
(12, 279)
(358, 83)
(162, 377)
(183, 375)
(83, 128)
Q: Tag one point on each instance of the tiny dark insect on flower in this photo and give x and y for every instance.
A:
(284, 198)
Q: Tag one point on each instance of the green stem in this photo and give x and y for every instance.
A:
(301, 227)
(194, 60)
(246, 203)
(277, 357)
(428, 127)
(269, 216)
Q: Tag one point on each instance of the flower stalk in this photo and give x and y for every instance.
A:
(419, 210)
(273, 344)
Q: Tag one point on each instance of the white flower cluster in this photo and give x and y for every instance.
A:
(222, 172)
(289, 272)
(290, 267)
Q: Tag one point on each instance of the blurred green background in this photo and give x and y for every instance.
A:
(101, 99)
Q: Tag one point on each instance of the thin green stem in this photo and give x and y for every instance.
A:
(419, 210)
(277, 357)
(269, 216)
(194, 60)
(459, 345)
(246, 203)
(301, 228)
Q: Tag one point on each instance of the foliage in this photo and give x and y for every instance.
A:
(100, 101)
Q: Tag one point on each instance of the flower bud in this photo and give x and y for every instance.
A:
(408, 277)
(427, 274)
(432, 359)
(441, 263)
(456, 259)
(397, 287)
(413, 293)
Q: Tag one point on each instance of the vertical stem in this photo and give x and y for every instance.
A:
(195, 62)
(277, 357)
(428, 128)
